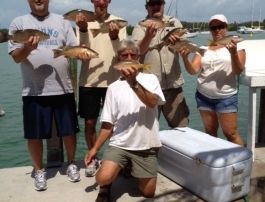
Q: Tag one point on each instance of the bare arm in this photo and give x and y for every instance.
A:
(238, 58)
(192, 67)
(22, 53)
(149, 35)
(104, 134)
(148, 98)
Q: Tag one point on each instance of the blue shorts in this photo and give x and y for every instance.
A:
(90, 100)
(38, 113)
(224, 105)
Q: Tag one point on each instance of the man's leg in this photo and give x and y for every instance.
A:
(35, 148)
(147, 186)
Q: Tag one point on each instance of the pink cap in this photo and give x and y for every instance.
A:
(219, 17)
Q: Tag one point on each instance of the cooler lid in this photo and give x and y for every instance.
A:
(211, 151)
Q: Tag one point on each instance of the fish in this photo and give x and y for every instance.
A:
(89, 15)
(187, 44)
(22, 36)
(225, 40)
(159, 23)
(3, 36)
(74, 51)
(129, 63)
(104, 27)
(165, 41)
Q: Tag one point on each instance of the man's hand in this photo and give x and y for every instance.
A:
(113, 31)
(81, 22)
(130, 74)
(90, 155)
(32, 43)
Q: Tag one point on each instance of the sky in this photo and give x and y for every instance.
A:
(133, 10)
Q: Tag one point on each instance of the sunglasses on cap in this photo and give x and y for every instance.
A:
(157, 3)
(219, 27)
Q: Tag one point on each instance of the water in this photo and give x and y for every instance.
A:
(13, 147)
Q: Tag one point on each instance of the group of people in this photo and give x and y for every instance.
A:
(133, 101)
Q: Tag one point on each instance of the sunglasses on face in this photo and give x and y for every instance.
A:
(152, 4)
(105, 1)
(219, 27)
(126, 56)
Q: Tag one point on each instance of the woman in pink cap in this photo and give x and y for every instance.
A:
(216, 94)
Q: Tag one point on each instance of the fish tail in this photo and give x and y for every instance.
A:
(202, 51)
(146, 67)
(211, 42)
(95, 32)
(3, 37)
(57, 53)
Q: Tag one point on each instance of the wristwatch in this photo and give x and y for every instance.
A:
(135, 86)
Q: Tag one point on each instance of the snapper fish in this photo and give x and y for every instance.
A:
(22, 36)
(129, 63)
(225, 40)
(3, 37)
(74, 51)
(159, 23)
(104, 27)
(187, 44)
(165, 41)
(89, 15)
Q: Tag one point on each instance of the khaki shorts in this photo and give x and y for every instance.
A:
(175, 110)
(144, 162)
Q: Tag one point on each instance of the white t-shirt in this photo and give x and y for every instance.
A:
(216, 79)
(136, 126)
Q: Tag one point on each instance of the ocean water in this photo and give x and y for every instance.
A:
(13, 147)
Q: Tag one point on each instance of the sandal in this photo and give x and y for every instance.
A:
(127, 170)
(104, 196)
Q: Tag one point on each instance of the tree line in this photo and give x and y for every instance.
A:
(201, 25)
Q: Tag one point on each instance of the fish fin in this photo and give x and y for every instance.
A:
(146, 67)
(95, 32)
(211, 42)
(202, 51)
(57, 53)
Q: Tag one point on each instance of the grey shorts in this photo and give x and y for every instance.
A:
(144, 162)
(175, 110)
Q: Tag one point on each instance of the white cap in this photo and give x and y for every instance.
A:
(219, 17)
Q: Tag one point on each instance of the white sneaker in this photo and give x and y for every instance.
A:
(73, 173)
(92, 168)
(40, 180)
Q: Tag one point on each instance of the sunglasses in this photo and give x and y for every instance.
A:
(158, 3)
(219, 27)
(126, 56)
(105, 1)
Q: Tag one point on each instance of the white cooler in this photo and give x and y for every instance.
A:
(212, 168)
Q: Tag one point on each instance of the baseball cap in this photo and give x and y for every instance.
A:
(219, 17)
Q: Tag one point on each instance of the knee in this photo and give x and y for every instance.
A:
(103, 179)
(148, 194)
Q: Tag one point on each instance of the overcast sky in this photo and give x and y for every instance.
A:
(134, 10)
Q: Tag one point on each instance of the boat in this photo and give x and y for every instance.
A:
(205, 32)
(2, 112)
(253, 29)
(191, 35)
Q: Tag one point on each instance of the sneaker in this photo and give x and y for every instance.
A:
(92, 168)
(73, 173)
(40, 180)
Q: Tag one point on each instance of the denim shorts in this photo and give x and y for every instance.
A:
(224, 105)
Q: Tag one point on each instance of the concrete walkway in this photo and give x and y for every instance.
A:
(16, 185)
